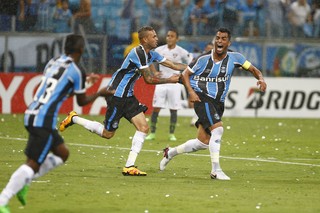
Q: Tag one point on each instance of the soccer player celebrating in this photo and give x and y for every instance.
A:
(168, 95)
(123, 103)
(61, 78)
(207, 81)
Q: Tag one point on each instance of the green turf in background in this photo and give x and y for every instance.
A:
(274, 165)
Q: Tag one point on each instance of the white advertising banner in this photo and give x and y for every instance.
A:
(285, 97)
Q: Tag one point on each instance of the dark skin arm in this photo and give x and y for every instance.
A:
(258, 75)
(83, 99)
(193, 97)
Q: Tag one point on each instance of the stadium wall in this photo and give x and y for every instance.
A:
(285, 97)
(29, 52)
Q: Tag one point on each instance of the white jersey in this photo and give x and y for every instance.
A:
(177, 54)
(169, 95)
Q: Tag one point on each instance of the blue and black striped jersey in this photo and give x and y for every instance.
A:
(213, 78)
(61, 78)
(124, 78)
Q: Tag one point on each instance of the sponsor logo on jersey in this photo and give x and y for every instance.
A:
(211, 79)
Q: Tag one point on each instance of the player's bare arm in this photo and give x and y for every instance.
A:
(151, 78)
(258, 75)
(174, 65)
(83, 99)
(193, 97)
(154, 70)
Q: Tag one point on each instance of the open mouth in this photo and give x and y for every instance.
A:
(219, 48)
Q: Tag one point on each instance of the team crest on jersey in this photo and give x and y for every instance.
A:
(207, 71)
(223, 69)
(175, 55)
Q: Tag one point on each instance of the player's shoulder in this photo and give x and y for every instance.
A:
(234, 54)
(161, 48)
(136, 51)
(181, 49)
(204, 56)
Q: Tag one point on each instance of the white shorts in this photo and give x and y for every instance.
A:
(167, 96)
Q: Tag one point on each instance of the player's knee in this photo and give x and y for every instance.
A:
(65, 155)
(62, 151)
(144, 128)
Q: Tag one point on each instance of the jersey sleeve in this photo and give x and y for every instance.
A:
(78, 78)
(241, 60)
(157, 57)
(194, 65)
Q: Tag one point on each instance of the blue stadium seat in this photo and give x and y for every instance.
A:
(5, 23)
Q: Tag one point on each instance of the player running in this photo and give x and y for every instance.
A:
(45, 149)
(207, 81)
(123, 103)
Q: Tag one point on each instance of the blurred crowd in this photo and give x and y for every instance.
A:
(260, 18)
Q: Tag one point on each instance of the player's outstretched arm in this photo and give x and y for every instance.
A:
(84, 99)
(174, 65)
(153, 78)
(258, 75)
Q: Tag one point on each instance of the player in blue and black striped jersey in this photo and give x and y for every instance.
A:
(123, 103)
(45, 149)
(207, 81)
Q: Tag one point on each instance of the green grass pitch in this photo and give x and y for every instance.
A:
(274, 165)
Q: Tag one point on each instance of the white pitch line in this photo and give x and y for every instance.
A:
(197, 155)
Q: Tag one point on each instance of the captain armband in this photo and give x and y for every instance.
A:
(246, 65)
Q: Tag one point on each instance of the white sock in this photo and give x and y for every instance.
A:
(22, 176)
(51, 162)
(214, 147)
(192, 145)
(137, 143)
(92, 126)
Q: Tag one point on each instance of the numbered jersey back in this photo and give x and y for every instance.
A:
(61, 78)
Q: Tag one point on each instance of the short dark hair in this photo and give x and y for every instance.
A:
(73, 44)
(225, 30)
(175, 31)
(142, 32)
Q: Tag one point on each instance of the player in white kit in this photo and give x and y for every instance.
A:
(168, 95)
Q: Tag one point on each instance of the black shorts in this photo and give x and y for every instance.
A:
(209, 111)
(121, 107)
(40, 142)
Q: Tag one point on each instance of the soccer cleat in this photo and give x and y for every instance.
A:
(67, 121)
(132, 171)
(4, 209)
(172, 137)
(22, 195)
(219, 175)
(151, 136)
(165, 160)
